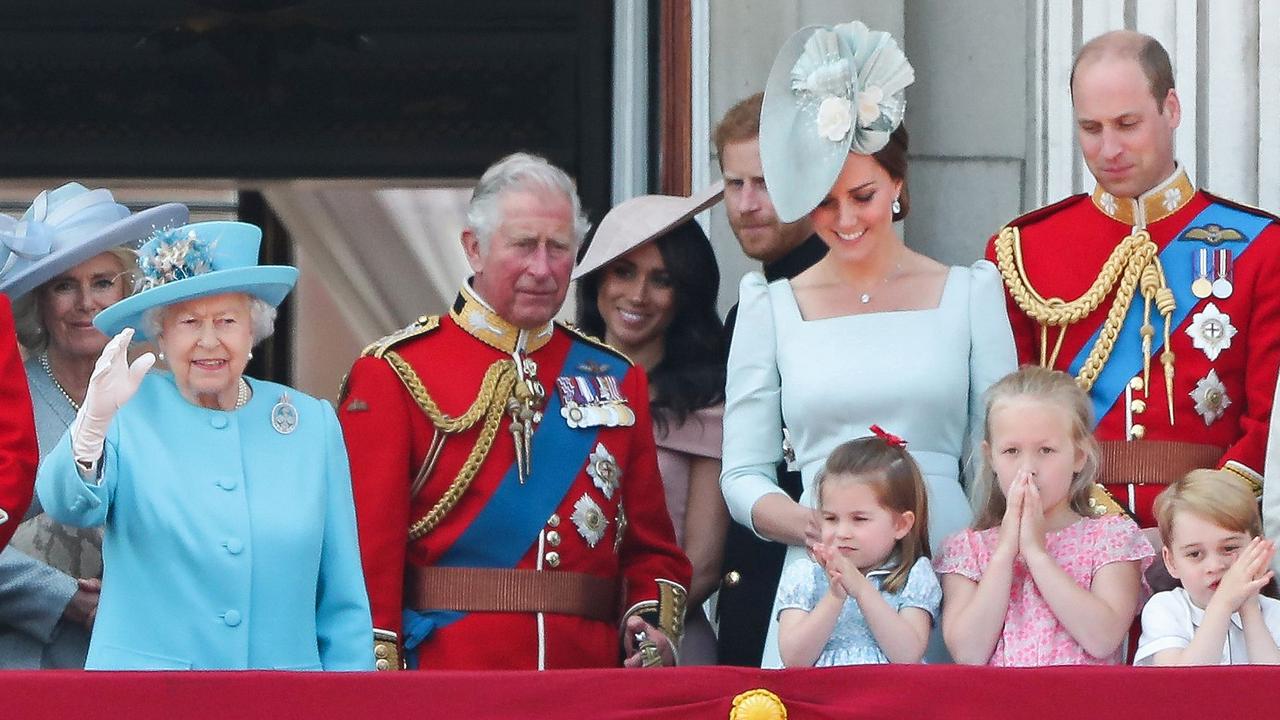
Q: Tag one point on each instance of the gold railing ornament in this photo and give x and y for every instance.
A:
(758, 704)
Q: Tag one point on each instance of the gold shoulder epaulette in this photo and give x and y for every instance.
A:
(421, 326)
(594, 341)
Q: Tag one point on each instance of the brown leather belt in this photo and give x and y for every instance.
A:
(498, 590)
(1153, 462)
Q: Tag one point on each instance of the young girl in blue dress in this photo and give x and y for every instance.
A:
(869, 595)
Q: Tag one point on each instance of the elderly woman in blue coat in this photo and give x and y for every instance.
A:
(230, 537)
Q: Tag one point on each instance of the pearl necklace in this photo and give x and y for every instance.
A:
(242, 394)
(44, 363)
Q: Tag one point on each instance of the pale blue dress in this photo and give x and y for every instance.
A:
(919, 374)
(228, 545)
(804, 582)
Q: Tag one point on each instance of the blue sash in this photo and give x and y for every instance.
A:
(510, 522)
(1126, 357)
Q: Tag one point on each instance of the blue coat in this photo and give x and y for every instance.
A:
(227, 545)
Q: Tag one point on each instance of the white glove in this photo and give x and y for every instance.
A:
(113, 382)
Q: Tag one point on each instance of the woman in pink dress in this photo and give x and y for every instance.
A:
(648, 284)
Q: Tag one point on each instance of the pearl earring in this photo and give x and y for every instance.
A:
(897, 206)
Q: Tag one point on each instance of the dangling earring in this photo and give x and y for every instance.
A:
(896, 207)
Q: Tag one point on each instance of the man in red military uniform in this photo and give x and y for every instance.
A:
(1160, 298)
(18, 452)
(510, 510)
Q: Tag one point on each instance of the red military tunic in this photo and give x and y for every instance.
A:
(19, 454)
(389, 435)
(1225, 350)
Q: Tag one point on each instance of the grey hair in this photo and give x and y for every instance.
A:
(519, 171)
(32, 334)
(262, 319)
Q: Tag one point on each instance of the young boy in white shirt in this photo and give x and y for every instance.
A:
(1211, 531)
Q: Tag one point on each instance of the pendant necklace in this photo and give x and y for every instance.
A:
(866, 296)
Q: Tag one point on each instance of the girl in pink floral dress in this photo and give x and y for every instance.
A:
(1039, 580)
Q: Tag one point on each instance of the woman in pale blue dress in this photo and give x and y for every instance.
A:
(874, 333)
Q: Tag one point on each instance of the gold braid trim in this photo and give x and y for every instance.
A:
(1122, 271)
(498, 383)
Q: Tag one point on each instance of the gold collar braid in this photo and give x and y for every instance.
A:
(1133, 265)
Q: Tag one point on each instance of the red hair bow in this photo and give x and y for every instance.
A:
(888, 437)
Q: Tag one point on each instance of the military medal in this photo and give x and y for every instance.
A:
(1211, 331)
(612, 397)
(604, 470)
(1211, 397)
(284, 416)
(1202, 286)
(589, 519)
(593, 401)
(1222, 285)
(570, 407)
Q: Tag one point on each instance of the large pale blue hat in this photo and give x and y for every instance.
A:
(67, 226)
(831, 91)
(198, 260)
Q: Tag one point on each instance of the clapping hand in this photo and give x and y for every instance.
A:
(113, 382)
(1247, 576)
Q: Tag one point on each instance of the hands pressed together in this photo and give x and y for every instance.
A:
(1242, 582)
(845, 577)
(1023, 527)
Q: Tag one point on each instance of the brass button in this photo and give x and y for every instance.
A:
(1138, 406)
(1137, 432)
(380, 651)
(1136, 384)
(554, 520)
(732, 578)
(553, 538)
(382, 665)
(553, 559)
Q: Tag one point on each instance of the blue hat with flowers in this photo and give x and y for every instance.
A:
(67, 226)
(197, 260)
(831, 91)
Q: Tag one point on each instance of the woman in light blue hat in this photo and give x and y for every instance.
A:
(873, 334)
(62, 262)
(230, 538)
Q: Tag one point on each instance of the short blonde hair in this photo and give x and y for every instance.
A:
(30, 328)
(1217, 496)
(1049, 386)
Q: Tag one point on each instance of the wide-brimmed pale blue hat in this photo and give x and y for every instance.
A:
(67, 226)
(831, 91)
(197, 260)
